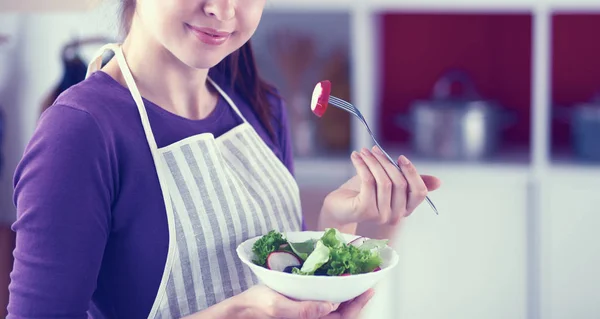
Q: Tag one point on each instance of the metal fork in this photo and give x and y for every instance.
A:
(341, 104)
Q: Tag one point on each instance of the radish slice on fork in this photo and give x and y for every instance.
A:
(320, 98)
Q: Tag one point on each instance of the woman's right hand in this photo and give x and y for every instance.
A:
(260, 302)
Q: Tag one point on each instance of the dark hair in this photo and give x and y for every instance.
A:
(240, 68)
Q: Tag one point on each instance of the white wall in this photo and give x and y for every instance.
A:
(29, 68)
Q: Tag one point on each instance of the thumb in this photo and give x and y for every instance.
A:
(431, 182)
(290, 309)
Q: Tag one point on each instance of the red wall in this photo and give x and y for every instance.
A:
(496, 51)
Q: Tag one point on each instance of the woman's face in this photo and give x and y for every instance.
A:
(200, 33)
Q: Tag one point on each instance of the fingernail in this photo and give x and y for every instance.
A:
(324, 308)
(404, 160)
(370, 294)
(365, 151)
(354, 155)
(377, 150)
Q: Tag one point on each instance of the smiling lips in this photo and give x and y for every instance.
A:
(210, 36)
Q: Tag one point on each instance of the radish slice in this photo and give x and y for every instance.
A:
(377, 269)
(320, 98)
(358, 241)
(280, 260)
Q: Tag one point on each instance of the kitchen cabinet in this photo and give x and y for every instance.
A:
(470, 261)
(422, 51)
(474, 260)
(575, 82)
(570, 249)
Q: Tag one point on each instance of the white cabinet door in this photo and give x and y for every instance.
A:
(470, 261)
(570, 242)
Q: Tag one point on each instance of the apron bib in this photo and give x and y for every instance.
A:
(217, 192)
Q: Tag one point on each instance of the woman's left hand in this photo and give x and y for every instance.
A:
(379, 192)
(351, 309)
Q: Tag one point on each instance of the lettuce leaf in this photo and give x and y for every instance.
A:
(370, 244)
(315, 260)
(266, 245)
(332, 238)
(303, 249)
(348, 259)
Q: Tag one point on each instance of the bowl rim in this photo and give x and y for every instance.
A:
(393, 260)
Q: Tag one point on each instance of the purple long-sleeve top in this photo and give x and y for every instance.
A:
(92, 232)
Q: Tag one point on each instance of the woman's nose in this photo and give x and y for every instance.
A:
(221, 9)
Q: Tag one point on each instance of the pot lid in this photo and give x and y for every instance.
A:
(444, 96)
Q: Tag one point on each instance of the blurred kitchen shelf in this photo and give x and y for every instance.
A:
(571, 162)
(575, 170)
(513, 157)
(296, 55)
(566, 158)
(432, 5)
(330, 173)
(527, 83)
(48, 6)
(575, 82)
(492, 50)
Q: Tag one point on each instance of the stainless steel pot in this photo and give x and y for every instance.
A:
(584, 119)
(464, 127)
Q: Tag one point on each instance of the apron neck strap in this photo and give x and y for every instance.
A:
(227, 98)
(135, 93)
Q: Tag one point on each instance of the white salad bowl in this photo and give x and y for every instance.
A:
(334, 289)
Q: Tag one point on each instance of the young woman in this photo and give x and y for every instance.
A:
(140, 182)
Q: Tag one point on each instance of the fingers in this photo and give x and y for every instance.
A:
(417, 190)
(410, 188)
(431, 182)
(367, 194)
(399, 186)
(289, 309)
(383, 185)
(386, 193)
(352, 309)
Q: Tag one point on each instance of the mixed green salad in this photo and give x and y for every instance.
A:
(328, 256)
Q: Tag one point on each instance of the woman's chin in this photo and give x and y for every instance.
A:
(204, 60)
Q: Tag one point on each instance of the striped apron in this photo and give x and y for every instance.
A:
(217, 193)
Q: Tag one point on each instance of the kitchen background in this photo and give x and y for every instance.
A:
(498, 98)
